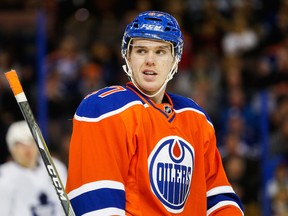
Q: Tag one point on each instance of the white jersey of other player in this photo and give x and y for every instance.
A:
(29, 192)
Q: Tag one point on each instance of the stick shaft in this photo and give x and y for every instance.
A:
(38, 137)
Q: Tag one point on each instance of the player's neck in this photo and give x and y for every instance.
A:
(158, 99)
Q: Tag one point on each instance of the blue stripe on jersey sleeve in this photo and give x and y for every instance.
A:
(98, 199)
(213, 200)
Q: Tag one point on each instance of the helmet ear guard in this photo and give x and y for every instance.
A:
(154, 25)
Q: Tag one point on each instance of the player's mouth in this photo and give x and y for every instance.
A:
(149, 73)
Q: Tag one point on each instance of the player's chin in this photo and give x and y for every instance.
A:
(150, 88)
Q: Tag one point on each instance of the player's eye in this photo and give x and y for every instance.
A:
(161, 52)
(141, 51)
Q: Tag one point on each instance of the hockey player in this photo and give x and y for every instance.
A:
(139, 150)
(25, 186)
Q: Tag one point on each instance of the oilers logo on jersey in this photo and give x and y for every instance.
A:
(171, 165)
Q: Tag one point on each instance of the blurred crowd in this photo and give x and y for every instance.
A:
(235, 65)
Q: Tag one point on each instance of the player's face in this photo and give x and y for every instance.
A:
(151, 62)
(25, 154)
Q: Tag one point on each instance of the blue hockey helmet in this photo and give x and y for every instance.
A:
(154, 25)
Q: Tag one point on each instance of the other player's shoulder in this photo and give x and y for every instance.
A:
(106, 100)
(9, 169)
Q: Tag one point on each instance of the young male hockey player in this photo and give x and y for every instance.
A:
(25, 186)
(138, 150)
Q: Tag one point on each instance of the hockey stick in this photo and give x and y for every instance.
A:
(22, 101)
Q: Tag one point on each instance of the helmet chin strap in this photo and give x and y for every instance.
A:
(128, 71)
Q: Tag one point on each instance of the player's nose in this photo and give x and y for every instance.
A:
(150, 58)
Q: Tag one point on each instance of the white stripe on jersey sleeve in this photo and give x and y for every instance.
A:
(220, 190)
(94, 186)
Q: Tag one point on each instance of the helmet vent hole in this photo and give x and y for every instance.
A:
(153, 19)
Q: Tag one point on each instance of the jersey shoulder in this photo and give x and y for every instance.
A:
(184, 103)
(9, 171)
(106, 100)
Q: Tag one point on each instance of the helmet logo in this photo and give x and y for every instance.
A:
(151, 27)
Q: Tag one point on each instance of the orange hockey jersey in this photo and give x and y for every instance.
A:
(130, 156)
